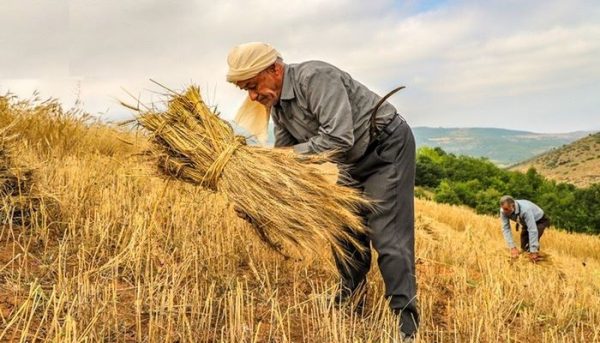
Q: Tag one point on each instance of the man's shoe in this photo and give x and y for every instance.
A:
(406, 338)
(406, 323)
(356, 298)
(341, 297)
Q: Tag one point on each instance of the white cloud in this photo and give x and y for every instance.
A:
(465, 63)
(522, 62)
(34, 39)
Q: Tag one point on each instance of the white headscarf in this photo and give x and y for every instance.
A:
(247, 60)
(254, 118)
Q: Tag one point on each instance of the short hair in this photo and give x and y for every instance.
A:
(507, 199)
(278, 61)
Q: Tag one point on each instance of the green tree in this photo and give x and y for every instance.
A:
(445, 194)
(429, 173)
(487, 201)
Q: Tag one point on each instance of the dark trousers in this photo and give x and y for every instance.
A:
(386, 174)
(541, 224)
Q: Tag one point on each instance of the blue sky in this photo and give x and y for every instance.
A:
(528, 65)
(422, 6)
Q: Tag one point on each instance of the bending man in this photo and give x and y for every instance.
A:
(316, 108)
(528, 215)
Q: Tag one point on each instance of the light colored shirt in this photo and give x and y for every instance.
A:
(526, 213)
(322, 108)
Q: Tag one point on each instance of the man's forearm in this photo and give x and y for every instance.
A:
(508, 238)
(506, 231)
(320, 144)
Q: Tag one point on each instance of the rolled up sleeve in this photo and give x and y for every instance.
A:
(328, 99)
(506, 230)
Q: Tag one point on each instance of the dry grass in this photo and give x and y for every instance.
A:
(136, 258)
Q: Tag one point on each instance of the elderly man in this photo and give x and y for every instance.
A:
(528, 215)
(316, 108)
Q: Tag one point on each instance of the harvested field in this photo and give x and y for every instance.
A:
(136, 257)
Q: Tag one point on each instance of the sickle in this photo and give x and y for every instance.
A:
(376, 108)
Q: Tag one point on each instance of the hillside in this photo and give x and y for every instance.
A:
(116, 254)
(577, 163)
(501, 146)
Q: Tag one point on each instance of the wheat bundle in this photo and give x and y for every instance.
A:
(16, 185)
(288, 201)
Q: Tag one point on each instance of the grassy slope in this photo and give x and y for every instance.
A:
(577, 163)
(133, 257)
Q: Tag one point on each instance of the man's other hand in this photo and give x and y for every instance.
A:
(534, 256)
(514, 252)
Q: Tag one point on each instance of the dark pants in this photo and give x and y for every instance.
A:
(541, 224)
(386, 174)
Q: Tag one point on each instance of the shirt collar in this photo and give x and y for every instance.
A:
(287, 90)
(517, 208)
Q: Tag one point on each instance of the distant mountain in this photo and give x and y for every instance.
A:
(503, 147)
(577, 163)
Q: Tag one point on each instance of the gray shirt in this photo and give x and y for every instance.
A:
(322, 108)
(526, 213)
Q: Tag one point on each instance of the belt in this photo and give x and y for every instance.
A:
(373, 129)
(388, 129)
(382, 134)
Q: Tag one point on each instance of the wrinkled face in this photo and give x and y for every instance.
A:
(508, 208)
(264, 87)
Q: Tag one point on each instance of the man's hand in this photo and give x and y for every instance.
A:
(514, 252)
(534, 256)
